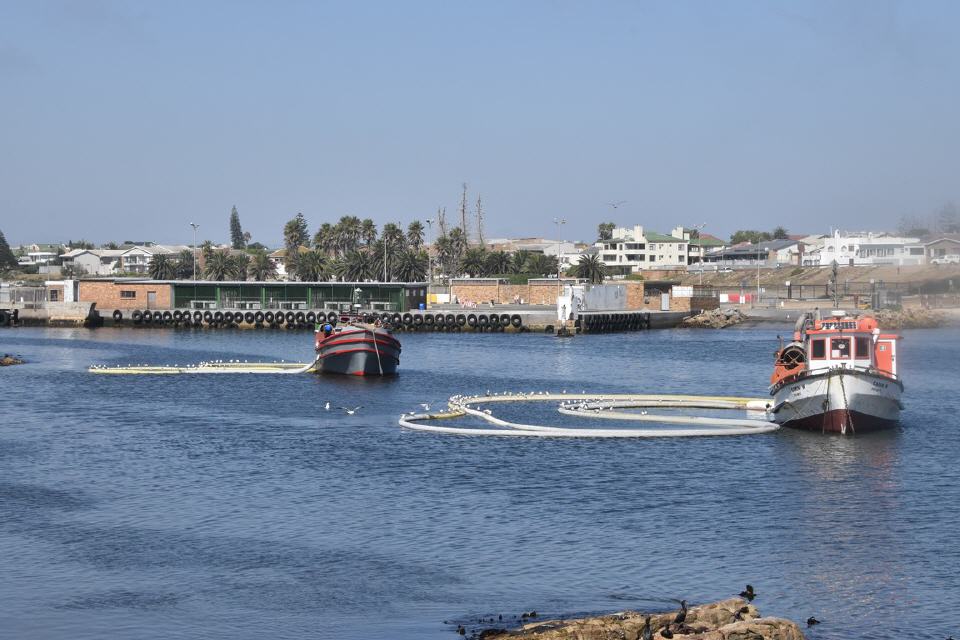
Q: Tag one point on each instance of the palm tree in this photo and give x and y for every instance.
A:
(520, 259)
(262, 267)
(368, 232)
(206, 250)
(542, 265)
(241, 266)
(498, 262)
(356, 266)
(219, 266)
(348, 232)
(591, 267)
(475, 262)
(415, 235)
(162, 268)
(312, 267)
(445, 257)
(458, 238)
(412, 266)
(184, 265)
(325, 239)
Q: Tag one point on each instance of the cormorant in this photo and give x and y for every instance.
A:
(812, 621)
(682, 615)
(748, 593)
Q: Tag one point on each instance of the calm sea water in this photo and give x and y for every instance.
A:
(237, 507)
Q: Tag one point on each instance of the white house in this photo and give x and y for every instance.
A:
(94, 262)
(857, 249)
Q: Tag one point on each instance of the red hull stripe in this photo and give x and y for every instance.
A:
(337, 342)
(340, 352)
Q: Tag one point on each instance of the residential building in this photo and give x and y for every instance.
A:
(93, 262)
(630, 250)
(769, 252)
(943, 247)
(858, 249)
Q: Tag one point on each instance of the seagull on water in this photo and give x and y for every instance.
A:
(327, 405)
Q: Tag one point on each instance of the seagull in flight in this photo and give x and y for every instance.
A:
(350, 412)
(617, 203)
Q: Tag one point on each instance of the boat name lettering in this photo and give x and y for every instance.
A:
(838, 324)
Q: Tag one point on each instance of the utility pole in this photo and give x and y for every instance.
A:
(463, 214)
(195, 226)
(480, 220)
(758, 273)
(559, 222)
(429, 257)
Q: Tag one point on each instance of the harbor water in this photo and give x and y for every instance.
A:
(193, 506)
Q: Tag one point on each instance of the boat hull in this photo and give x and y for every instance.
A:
(838, 401)
(358, 352)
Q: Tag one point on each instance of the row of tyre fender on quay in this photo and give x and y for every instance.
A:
(289, 319)
(9, 317)
(612, 322)
(300, 319)
(443, 321)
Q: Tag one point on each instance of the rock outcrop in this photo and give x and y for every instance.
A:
(8, 360)
(909, 318)
(733, 619)
(715, 319)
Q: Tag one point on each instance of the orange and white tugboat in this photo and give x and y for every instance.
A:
(839, 374)
(356, 348)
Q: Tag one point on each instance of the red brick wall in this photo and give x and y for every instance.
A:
(107, 294)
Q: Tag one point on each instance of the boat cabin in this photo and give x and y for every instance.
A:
(840, 341)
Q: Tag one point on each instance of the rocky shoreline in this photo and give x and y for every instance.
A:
(8, 360)
(715, 319)
(732, 619)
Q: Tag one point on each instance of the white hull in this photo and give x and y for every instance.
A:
(838, 400)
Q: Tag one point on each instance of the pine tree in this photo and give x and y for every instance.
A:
(237, 238)
(7, 259)
(295, 233)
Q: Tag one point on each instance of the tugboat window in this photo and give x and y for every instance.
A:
(818, 350)
(863, 348)
(840, 348)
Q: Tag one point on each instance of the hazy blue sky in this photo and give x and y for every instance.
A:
(128, 120)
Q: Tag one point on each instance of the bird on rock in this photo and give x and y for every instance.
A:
(748, 593)
(647, 634)
(666, 633)
(682, 614)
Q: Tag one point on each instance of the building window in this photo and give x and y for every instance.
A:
(128, 294)
(54, 295)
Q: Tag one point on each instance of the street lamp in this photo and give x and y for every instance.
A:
(195, 226)
(429, 222)
(559, 222)
(758, 273)
(699, 228)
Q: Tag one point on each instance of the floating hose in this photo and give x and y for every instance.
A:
(233, 366)
(592, 406)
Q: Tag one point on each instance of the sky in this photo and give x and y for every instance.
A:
(129, 120)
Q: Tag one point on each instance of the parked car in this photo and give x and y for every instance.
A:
(949, 259)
